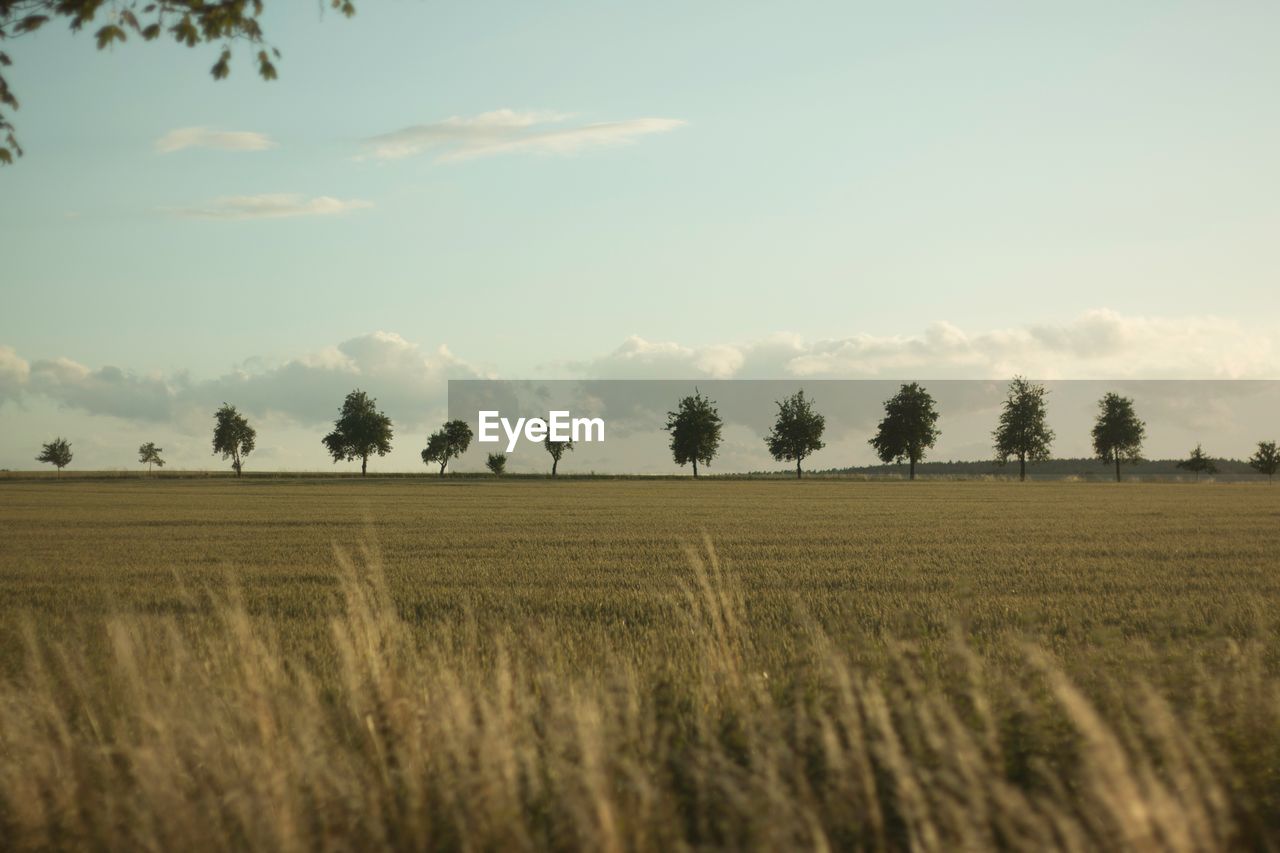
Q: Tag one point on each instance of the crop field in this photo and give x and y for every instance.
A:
(536, 664)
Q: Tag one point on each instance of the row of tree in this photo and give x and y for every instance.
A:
(908, 430)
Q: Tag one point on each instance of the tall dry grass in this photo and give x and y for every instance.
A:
(173, 739)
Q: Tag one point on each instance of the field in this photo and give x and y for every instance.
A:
(409, 664)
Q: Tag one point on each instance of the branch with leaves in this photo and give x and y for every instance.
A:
(187, 22)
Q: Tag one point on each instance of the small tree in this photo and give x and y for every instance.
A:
(557, 449)
(909, 427)
(497, 463)
(449, 442)
(1117, 433)
(1266, 460)
(695, 431)
(233, 438)
(57, 453)
(1198, 462)
(359, 431)
(1023, 433)
(797, 432)
(149, 454)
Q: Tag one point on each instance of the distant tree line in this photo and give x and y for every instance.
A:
(908, 430)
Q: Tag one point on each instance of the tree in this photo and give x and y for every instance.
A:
(149, 454)
(497, 463)
(56, 453)
(695, 431)
(359, 431)
(909, 427)
(557, 449)
(1117, 433)
(187, 22)
(232, 436)
(1198, 462)
(449, 442)
(1266, 460)
(1022, 432)
(797, 432)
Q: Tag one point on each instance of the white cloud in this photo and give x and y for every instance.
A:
(507, 131)
(14, 371)
(106, 390)
(272, 206)
(182, 138)
(1100, 344)
(408, 381)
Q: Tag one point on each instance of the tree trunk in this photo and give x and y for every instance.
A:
(1022, 469)
(913, 468)
(797, 469)
(442, 464)
(554, 462)
(695, 469)
(364, 464)
(1117, 467)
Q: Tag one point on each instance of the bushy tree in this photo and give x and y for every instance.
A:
(557, 449)
(1117, 432)
(187, 22)
(233, 438)
(497, 463)
(1266, 460)
(57, 453)
(797, 432)
(1198, 462)
(149, 454)
(695, 431)
(909, 427)
(447, 443)
(360, 431)
(1023, 433)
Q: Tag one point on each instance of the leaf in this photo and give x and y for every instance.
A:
(108, 34)
(30, 24)
(265, 68)
(151, 32)
(222, 67)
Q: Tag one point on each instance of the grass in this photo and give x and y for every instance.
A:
(638, 665)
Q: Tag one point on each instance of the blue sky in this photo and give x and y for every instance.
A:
(664, 188)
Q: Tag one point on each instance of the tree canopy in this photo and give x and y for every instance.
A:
(1198, 463)
(1117, 432)
(448, 442)
(797, 432)
(909, 427)
(695, 431)
(557, 449)
(1266, 459)
(187, 22)
(233, 438)
(149, 454)
(57, 453)
(496, 463)
(360, 431)
(1023, 432)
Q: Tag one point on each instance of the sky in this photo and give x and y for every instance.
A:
(602, 190)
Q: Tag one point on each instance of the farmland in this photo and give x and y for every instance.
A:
(638, 664)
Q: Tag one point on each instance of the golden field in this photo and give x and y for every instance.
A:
(630, 664)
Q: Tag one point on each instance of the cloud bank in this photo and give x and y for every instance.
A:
(1100, 344)
(182, 138)
(509, 131)
(299, 396)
